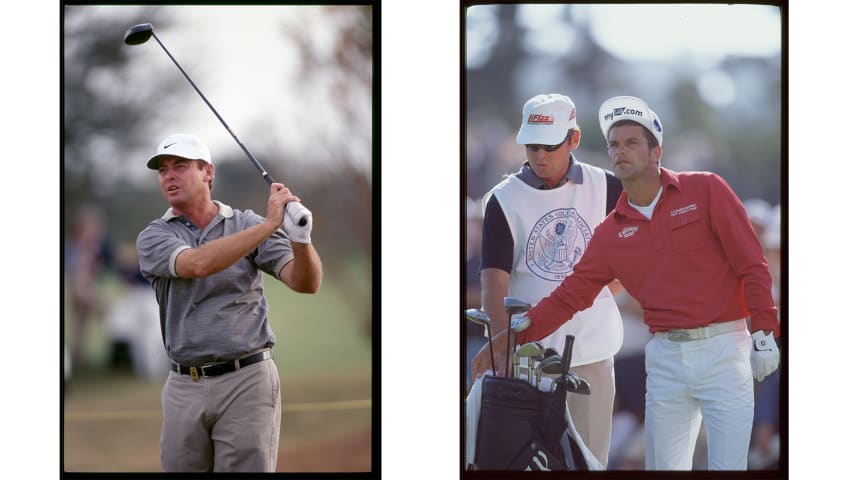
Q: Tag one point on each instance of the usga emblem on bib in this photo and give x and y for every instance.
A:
(556, 244)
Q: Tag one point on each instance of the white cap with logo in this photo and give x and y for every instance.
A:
(629, 108)
(181, 145)
(546, 119)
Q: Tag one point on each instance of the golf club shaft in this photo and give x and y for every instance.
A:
(491, 354)
(508, 352)
(302, 221)
(252, 158)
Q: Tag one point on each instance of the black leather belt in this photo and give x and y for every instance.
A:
(214, 369)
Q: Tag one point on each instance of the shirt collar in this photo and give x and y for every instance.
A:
(224, 210)
(574, 174)
(668, 179)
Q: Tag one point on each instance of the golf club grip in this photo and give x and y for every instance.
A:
(566, 361)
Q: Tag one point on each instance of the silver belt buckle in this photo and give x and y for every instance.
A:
(678, 336)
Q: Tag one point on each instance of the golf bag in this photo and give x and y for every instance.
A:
(523, 428)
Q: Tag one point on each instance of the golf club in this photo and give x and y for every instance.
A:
(537, 358)
(528, 350)
(513, 306)
(480, 317)
(549, 366)
(578, 384)
(139, 34)
(575, 384)
(519, 324)
(567, 354)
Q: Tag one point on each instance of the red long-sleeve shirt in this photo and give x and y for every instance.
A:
(697, 262)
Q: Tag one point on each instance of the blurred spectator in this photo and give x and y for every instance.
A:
(133, 322)
(474, 224)
(66, 364)
(87, 255)
(771, 241)
(759, 211)
(475, 334)
(765, 445)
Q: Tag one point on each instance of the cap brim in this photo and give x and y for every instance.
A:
(540, 136)
(154, 162)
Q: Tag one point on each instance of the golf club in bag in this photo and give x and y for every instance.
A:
(523, 428)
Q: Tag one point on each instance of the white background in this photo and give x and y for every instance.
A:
(420, 273)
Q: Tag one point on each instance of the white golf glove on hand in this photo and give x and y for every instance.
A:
(294, 211)
(764, 357)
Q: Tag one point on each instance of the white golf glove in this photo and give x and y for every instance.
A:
(764, 357)
(294, 211)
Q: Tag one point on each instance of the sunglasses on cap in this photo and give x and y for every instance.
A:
(535, 147)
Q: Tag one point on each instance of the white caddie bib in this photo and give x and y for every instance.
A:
(551, 230)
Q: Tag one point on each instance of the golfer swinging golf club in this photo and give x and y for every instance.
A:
(221, 401)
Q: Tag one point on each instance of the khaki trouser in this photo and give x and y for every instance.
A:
(227, 423)
(592, 413)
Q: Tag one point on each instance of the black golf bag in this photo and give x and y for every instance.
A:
(523, 428)
(520, 427)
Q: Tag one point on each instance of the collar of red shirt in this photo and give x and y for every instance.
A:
(669, 179)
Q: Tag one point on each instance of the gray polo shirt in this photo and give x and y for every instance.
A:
(219, 317)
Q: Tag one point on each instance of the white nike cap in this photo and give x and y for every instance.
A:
(629, 108)
(180, 145)
(546, 119)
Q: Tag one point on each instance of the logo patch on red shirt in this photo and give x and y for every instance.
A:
(683, 210)
(627, 232)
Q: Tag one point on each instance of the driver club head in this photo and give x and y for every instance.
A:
(139, 34)
(478, 316)
(514, 305)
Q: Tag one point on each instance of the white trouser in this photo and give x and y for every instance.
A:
(708, 380)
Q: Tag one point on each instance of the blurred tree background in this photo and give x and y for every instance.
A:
(721, 111)
(117, 104)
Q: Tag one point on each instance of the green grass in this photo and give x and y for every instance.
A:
(317, 332)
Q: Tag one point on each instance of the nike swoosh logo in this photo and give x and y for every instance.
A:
(167, 146)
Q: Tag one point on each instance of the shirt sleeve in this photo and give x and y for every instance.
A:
(157, 249)
(576, 292)
(496, 241)
(744, 253)
(275, 252)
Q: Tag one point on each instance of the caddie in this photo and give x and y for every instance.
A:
(537, 225)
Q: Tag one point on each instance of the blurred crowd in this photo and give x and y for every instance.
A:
(627, 436)
(111, 321)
